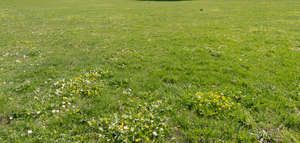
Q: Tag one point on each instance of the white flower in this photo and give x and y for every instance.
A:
(29, 131)
(125, 127)
(155, 133)
(38, 112)
(57, 92)
(132, 129)
(55, 111)
(6, 54)
(11, 118)
(64, 106)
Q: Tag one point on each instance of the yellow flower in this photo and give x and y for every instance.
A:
(146, 126)
(200, 105)
(121, 126)
(147, 139)
(137, 140)
(105, 119)
(220, 108)
(89, 93)
(65, 98)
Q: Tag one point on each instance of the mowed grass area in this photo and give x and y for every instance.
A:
(150, 71)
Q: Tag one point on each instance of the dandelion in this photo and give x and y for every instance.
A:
(137, 140)
(121, 126)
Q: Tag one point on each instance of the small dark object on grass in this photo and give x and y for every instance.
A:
(201, 9)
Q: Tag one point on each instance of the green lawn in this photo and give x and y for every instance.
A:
(150, 71)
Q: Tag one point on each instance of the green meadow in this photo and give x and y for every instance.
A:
(150, 71)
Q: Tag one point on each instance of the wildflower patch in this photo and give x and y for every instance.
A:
(139, 120)
(211, 103)
(142, 124)
(87, 84)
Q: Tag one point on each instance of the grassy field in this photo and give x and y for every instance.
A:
(150, 71)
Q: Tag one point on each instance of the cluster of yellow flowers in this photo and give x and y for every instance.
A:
(214, 100)
(211, 103)
(86, 84)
